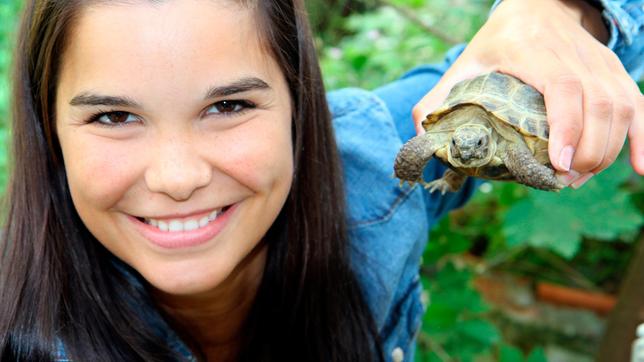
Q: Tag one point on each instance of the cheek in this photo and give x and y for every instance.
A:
(98, 173)
(259, 154)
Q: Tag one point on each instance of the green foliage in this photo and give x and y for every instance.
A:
(508, 353)
(380, 45)
(454, 324)
(8, 20)
(601, 209)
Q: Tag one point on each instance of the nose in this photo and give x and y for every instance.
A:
(177, 169)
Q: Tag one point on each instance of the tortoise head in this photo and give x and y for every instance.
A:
(471, 145)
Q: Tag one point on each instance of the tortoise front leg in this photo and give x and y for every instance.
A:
(451, 181)
(413, 156)
(528, 171)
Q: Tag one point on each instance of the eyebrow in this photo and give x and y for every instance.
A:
(238, 86)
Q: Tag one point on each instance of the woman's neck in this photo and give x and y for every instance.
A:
(215, 319)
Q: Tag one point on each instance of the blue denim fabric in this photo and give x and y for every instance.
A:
(625, 20)
(388, 224)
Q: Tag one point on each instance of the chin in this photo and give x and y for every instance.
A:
(474, 163)
(181, 278)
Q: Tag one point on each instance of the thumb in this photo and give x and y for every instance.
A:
(432, 100)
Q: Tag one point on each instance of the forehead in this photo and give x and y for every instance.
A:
(169, 40)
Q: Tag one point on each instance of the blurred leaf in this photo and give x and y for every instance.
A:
(445, 241)
(379, 46)
(509, 353)
(537, 355)
(480, 330)
(600, 209)
(454, 319)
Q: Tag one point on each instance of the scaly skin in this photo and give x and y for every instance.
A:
(528, 171)
(451, 181)
(413, 157)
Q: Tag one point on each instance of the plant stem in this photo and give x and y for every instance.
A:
(429, 344)
(573, 274)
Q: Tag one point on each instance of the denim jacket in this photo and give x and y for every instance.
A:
(389, 224)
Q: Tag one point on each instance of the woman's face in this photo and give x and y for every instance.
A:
(175, 127)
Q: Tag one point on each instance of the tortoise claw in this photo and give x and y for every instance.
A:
(410, 183)
(437, 185)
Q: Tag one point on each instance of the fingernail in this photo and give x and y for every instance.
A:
(568, 177)
(582, 180)
(565, 157)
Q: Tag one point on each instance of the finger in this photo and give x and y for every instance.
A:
(630, 112)
(430, 102)
(579, 182)
(623, 117)
(596, 130)
(616, 84)
(564, 104)
(562, 91)
(636, 137)
(580, 112)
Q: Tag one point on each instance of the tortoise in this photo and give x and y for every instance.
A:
(492, 126)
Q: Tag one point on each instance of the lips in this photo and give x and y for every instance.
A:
(183, 232)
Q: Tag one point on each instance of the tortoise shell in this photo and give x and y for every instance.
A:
(503, 95)
(519, 116)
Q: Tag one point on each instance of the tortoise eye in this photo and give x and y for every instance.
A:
(453, 142)
(480, 142)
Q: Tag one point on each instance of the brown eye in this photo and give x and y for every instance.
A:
(229, 107)
(117, 118)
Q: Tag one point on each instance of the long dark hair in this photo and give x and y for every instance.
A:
(58, 284)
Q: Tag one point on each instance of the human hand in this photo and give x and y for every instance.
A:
(557, 47)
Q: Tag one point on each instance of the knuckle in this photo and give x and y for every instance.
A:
(601, 105)
(607, 161)
(624, 111)
(568, 83)
(570, 131)
(586, 162)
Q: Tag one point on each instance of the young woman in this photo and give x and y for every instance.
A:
(178, 192)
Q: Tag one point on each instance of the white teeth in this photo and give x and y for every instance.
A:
(163, 226)
(176, 225)
(213, 215)
(204, 221)
(191, 225)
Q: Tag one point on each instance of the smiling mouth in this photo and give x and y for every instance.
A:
(175, 225)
